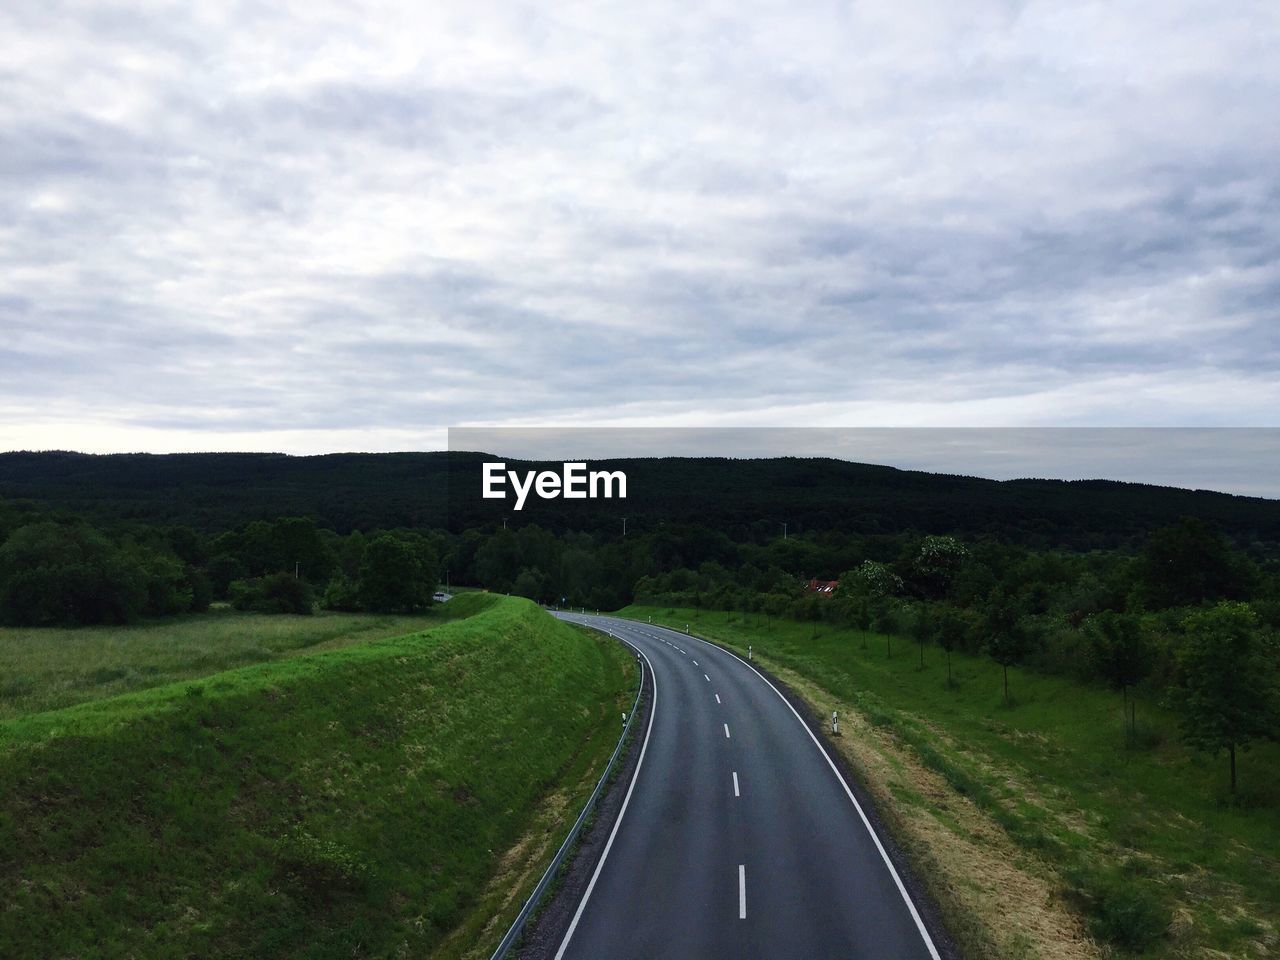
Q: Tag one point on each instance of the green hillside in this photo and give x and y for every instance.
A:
(351, 803)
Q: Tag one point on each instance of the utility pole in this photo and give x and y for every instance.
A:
(504, 523)
(296, 566)
(624, 526)
(784, 530)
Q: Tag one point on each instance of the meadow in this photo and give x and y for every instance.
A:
(1145, 843)
(393, 797)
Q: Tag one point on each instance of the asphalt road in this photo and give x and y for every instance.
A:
(738, 839)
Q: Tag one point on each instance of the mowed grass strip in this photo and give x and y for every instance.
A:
(44, 668)
(353, 803)
(1144, 843)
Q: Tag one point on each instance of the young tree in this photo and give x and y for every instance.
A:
(1120, 653)
(883, 621)
(1006, 641)
(949, 631)
(923, 626)
(1227, 692)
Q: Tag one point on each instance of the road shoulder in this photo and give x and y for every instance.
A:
(547, 928)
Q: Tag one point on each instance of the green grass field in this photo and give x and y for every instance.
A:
(1146, 841)
(358, 802)
(43, 668)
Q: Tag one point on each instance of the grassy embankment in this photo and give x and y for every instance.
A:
(375, 800)
(45, 668)
(1039, 832)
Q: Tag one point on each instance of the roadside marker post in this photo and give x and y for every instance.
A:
(835, 723)
(749, 657)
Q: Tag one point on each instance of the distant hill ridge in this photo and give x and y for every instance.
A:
(747, 499)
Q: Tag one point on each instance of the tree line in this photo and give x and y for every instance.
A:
(1190, 617)
(58, 570)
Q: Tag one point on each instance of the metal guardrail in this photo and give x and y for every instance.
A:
(517, 927)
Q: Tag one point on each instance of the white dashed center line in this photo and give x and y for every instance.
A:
(717, 698)
(726, 731)
(735, 784)
(706, 678)
(742, 891)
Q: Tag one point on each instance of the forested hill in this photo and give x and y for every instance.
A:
(745, 499)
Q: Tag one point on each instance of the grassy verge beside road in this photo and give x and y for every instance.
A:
(358, 802)
(1141, 845)
(44, 668)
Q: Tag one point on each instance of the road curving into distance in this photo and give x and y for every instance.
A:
(738, 838)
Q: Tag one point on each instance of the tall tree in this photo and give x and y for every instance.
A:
(1227, 693)
(1189, 563)
(68, 575)
(396, 576)
(936, 565)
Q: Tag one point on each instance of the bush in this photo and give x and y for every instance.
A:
(274, 593)
(342, 593)
(1122, 909)
(167, 583)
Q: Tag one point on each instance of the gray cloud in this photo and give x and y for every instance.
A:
(307, 227)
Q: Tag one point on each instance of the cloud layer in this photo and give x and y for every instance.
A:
(315, 226)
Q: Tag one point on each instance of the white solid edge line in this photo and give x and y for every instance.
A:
(735, 784)
(742, 891)
(653, 708)
(884, 855)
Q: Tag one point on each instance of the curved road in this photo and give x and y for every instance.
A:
(738, 839)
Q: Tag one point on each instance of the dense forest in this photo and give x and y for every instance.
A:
(744, 500)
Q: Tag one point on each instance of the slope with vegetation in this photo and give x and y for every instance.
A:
(44, 668)
(357, 802)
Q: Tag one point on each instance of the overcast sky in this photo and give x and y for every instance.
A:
(318, 226)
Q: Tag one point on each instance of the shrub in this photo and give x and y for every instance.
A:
(274, 593)
(1122, 910)
(342, 593)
